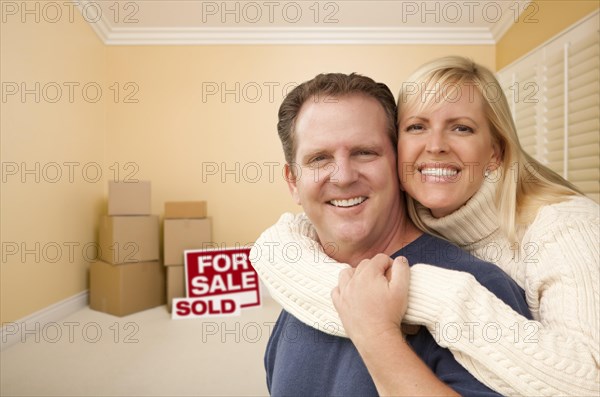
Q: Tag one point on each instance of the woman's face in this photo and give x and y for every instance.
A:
(443, 152)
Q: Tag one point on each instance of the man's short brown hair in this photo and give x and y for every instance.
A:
(328, 87)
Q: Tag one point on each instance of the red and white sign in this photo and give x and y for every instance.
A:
(219, 282)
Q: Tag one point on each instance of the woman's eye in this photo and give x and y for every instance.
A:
(463, 128)
(415, 128)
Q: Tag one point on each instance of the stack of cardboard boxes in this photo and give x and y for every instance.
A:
(129, 277)
(185, 227)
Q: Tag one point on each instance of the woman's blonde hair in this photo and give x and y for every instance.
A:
(524, 184)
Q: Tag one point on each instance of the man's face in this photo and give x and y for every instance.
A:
(345, 176)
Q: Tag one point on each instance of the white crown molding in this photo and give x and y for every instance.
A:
(279, 35)
(113, 35)
(119, 35)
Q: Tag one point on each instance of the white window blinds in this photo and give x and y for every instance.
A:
(554, 94)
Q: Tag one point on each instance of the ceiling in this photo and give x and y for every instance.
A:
(181, 22)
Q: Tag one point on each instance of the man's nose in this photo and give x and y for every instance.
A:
(345, 172)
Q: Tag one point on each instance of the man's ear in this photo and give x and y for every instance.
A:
(291, 179)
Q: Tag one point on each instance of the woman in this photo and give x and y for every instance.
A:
(469, 181)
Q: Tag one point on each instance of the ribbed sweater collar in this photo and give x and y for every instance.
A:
(473, 222)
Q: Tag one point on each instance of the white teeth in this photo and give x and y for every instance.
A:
(439, 171)
(348, 203)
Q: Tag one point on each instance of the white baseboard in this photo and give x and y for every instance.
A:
(20, 330)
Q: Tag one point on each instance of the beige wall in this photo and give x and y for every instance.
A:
(51, 219)
(539, 22)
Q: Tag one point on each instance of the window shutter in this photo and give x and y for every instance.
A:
(520, 85)
(583, 152)
(554, 94)
(554, 111)
(525, 88)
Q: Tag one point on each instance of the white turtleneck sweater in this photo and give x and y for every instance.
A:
(556, 263)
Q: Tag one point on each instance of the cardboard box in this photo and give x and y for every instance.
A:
(185, 209)
(129, 239)
(129, 198)
(175, 284)
(127, 288)
(184, 234)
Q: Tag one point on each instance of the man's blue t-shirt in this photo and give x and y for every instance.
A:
(303, 361)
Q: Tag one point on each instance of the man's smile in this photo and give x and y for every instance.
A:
(351, 202)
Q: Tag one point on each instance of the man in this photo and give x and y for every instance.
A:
(339, 138)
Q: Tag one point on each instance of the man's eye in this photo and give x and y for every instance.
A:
(317, 160)
(365, 153)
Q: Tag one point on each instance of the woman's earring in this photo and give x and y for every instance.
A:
(487, 173)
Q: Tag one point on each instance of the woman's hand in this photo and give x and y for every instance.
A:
(372, 298)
